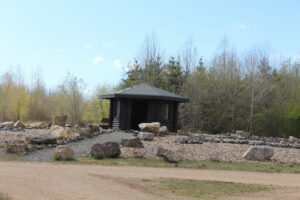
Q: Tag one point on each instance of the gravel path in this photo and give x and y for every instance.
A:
(80, 147)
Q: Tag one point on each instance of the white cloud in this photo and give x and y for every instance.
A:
(61, 50)
(98, 60)
(109, 45)
(240, 27)
(117, 63)
(88, 46)
(298, 58)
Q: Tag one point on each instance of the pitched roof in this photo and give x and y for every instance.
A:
(144, 91)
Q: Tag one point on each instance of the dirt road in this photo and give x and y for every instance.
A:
(35, 181)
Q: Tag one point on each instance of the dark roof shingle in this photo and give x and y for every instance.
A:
(144, 91)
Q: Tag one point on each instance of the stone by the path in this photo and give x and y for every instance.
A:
(259, 153)
(105, 150)
(64, 152)
(168, 155)
(134, 142)
(15, 148)
(41, 139)
(148, 136)
(93, 128)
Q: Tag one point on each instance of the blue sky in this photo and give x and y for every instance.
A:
(94, 39)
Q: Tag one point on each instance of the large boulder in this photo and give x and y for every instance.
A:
(15, 148)
(7, 124)
(105, 150)
(132, 142)
(62, 132)
(85, 132)
(64, 152)
(259, 153)
(163, 130)
(150, 127)
(19, 124)
(93, 128)
(146, 136)
(41, 139)
(60, 120)
(168, 155)
(242, 133)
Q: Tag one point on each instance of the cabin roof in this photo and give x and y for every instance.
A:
(144, 91)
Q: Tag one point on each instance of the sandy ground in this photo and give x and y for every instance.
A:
(35, 181)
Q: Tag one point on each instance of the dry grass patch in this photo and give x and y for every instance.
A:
(209, 164)
(207, 190)
(4, 197)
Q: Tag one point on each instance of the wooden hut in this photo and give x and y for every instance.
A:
(143, 103)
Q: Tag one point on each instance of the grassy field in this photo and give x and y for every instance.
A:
(217, 165)
(207, 190)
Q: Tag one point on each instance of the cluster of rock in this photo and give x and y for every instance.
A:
(20, 126)
(154, 127)
(147, 133)
(60, 133)
(291, 142)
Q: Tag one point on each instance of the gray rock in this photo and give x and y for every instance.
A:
(168, 155)
(105, 150)
(134, 142)
(146, 136)
(260, 153)
(64, 153)
(42, 139)
(15, 148)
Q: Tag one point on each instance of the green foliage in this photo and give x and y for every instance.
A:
(95, 108)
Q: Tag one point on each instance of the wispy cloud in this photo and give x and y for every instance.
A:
(87, 46)
(297, 58)
(109, 45)
(97, 60)
(117, 63)
(61, 50)
(240, 27)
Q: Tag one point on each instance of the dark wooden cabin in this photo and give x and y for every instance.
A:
(143, 103)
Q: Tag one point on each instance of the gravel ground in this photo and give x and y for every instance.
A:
(80, 147)
(209, 151)
(205, 151)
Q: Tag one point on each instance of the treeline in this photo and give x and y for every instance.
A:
(34, 102)
(230, 91)
(250, 91)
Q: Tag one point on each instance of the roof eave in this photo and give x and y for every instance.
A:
(136, 96)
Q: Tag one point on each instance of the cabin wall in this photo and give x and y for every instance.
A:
(157, 113)
(121, 113)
